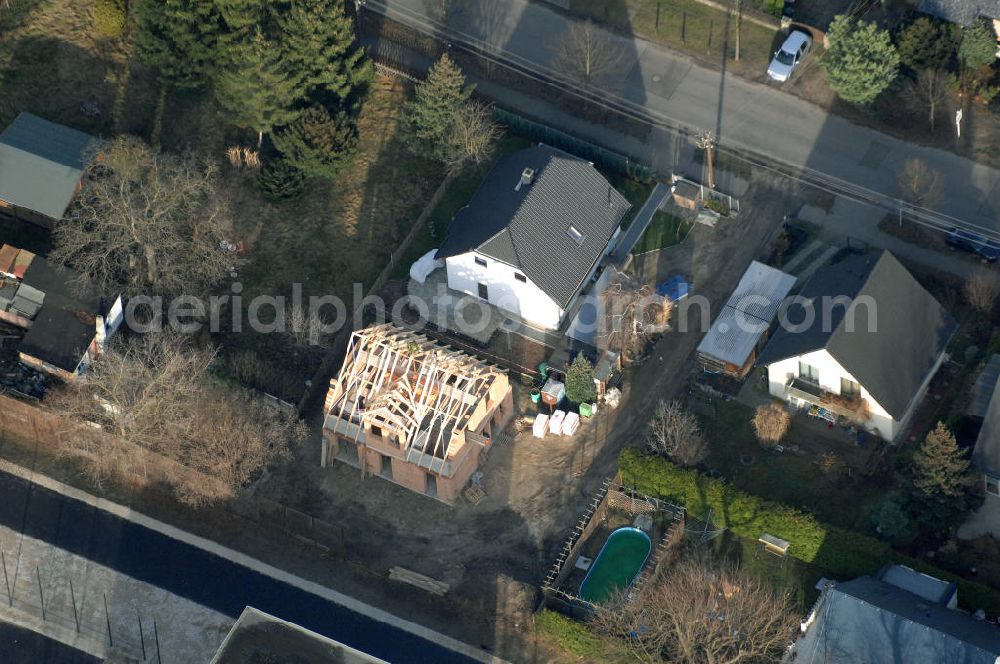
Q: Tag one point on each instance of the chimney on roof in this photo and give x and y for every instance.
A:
(100, 332)
(527, 177)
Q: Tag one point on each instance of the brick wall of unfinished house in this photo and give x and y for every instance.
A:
(491, 414)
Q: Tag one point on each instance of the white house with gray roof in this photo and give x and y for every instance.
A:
(533, 234)
(865, 333)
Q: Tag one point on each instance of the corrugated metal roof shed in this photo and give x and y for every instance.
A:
(40, 164)
(761, 291)
(747, 315)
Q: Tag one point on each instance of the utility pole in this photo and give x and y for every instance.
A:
(706, 141)
(739, 27)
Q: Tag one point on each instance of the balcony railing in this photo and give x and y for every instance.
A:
(850, 407)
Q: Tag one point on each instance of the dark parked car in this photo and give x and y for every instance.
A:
(974, 243)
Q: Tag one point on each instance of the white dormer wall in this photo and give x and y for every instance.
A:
(830, 372)
(505, 291)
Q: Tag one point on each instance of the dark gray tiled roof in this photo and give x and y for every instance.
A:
(962, 12)
(868, 620)
(909, 329)
(528, 228)
(64, 327)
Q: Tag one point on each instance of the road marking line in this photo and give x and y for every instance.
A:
(233, 556)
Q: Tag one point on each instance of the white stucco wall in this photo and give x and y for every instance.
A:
(524, 299)
(830, 373)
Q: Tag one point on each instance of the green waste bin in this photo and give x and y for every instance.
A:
(536, 396)
(586, 410)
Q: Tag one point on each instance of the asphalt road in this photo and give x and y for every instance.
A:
(197, 575)
(755, 117)
(22, 646)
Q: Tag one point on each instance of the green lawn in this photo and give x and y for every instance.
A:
(798, 577)
(791, 478)
(665, 230)
(685, 25)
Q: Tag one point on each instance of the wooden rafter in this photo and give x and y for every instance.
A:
(410, 385)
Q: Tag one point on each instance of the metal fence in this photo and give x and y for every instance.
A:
(53, 597)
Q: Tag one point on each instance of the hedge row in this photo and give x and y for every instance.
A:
(839, 552)
(537, 131)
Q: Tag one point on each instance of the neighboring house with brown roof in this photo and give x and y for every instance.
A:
(41, 164)
(413, 411)
(863, 337)
(533, 234)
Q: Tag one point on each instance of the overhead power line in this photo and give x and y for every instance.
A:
(501, 56)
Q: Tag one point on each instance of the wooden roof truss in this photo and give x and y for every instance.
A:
(411, 386)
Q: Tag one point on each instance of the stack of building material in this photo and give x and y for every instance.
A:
(556, 422)
(541, 425)
(433, 586)
(570, 424)
(612, 398)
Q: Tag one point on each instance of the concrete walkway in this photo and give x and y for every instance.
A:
(677, 94)
(640, 223)
(984, 521)
(38, 571)
(805, 252)
(815, 263)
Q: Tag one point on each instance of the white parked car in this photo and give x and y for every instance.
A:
(796, 46)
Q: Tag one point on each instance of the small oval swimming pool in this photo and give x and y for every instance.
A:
(616, 566)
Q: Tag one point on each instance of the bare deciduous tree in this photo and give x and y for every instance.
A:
(136, 386)
(928, 94)
(231, 436)
(675, 433)
(701, 612)
(631, 314)
(473, 135)
(770, 423)
(146, 222)
(588, 53)
(981, 291)
(152, 394)
(919, 184)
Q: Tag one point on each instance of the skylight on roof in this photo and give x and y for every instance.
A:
(574, 233)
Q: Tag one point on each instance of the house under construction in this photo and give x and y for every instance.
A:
(413, 411)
